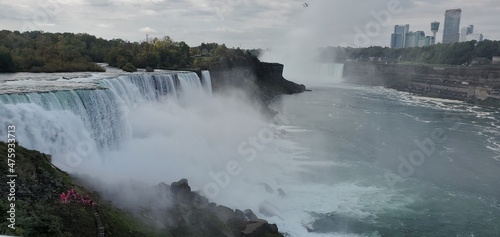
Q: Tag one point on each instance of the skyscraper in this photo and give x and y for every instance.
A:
(466, 31)
(398, 38)
(417, 39)
(451, 32)
(477, 37)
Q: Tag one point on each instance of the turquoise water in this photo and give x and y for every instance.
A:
(399, 165)
(351, 160)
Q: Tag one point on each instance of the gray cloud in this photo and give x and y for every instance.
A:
(257, 23)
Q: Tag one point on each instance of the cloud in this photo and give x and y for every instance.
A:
(147, 30)
(105, 25)
(226, 29)
(252, 24)
(149, 12)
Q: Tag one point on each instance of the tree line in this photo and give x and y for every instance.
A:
(451, 54)
(39, 51)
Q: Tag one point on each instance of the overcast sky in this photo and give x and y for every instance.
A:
(246, 23)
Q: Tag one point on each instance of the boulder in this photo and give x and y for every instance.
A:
(237, 225)
(239, 214)
(259, 228)
(224, 213)
(250, 215)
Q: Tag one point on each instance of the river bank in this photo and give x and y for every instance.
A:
(478, 84)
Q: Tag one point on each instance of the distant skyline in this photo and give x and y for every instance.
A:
(245, 23)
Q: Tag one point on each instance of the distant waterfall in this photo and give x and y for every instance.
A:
(55, 122)
(332, 72)
(206, 80)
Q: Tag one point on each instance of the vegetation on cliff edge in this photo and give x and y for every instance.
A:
(39, 211)
(38, 51)
(451, 54)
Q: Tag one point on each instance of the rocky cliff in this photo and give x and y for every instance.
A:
(262, 81)
(49, 202)
(480, 84)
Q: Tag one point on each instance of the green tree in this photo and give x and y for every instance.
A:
(6, 62)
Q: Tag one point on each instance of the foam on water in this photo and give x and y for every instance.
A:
(164, 127)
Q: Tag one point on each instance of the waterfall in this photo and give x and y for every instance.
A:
(57, 122)
(206, 80)
(135, 88)
(332, 72)
(98, 110)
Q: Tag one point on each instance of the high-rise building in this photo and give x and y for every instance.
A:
(451, 32)
(398, 38)
(476, 37)
(434, 29)
(465, 31)
(417, 39)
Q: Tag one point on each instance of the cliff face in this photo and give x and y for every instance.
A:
(263, 81)
(479, 85)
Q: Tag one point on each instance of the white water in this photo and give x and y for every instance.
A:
(160, 128)
(332, 72)
(206, 80)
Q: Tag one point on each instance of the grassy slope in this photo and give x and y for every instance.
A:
(39, 211)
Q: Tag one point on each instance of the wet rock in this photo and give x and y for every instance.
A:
(250, 215)
(259, 228)
(237, 225)
(224, 213)
(181, 191)
(200, 202)
(239, 214)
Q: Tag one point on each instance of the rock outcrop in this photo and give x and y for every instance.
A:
(259, 228)
(263, 81)
(201, 216)
(193, 215)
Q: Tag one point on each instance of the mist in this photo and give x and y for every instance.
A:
(323, 24)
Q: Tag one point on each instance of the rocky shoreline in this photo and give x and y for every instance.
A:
(477, 85)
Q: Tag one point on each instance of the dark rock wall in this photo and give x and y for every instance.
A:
(479, 85)
(264, 81)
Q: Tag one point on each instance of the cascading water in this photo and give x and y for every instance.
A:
(97, 109)
(56, 122)
(154, 128)
(206, 80)
(332, 72)
(143, 87)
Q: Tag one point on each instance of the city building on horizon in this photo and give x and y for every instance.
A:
(466, 31)
(417, 39)
(404, 38)
(451, 33)
(434, 29)
(467, 34)
(398, 38)
(477, 37)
